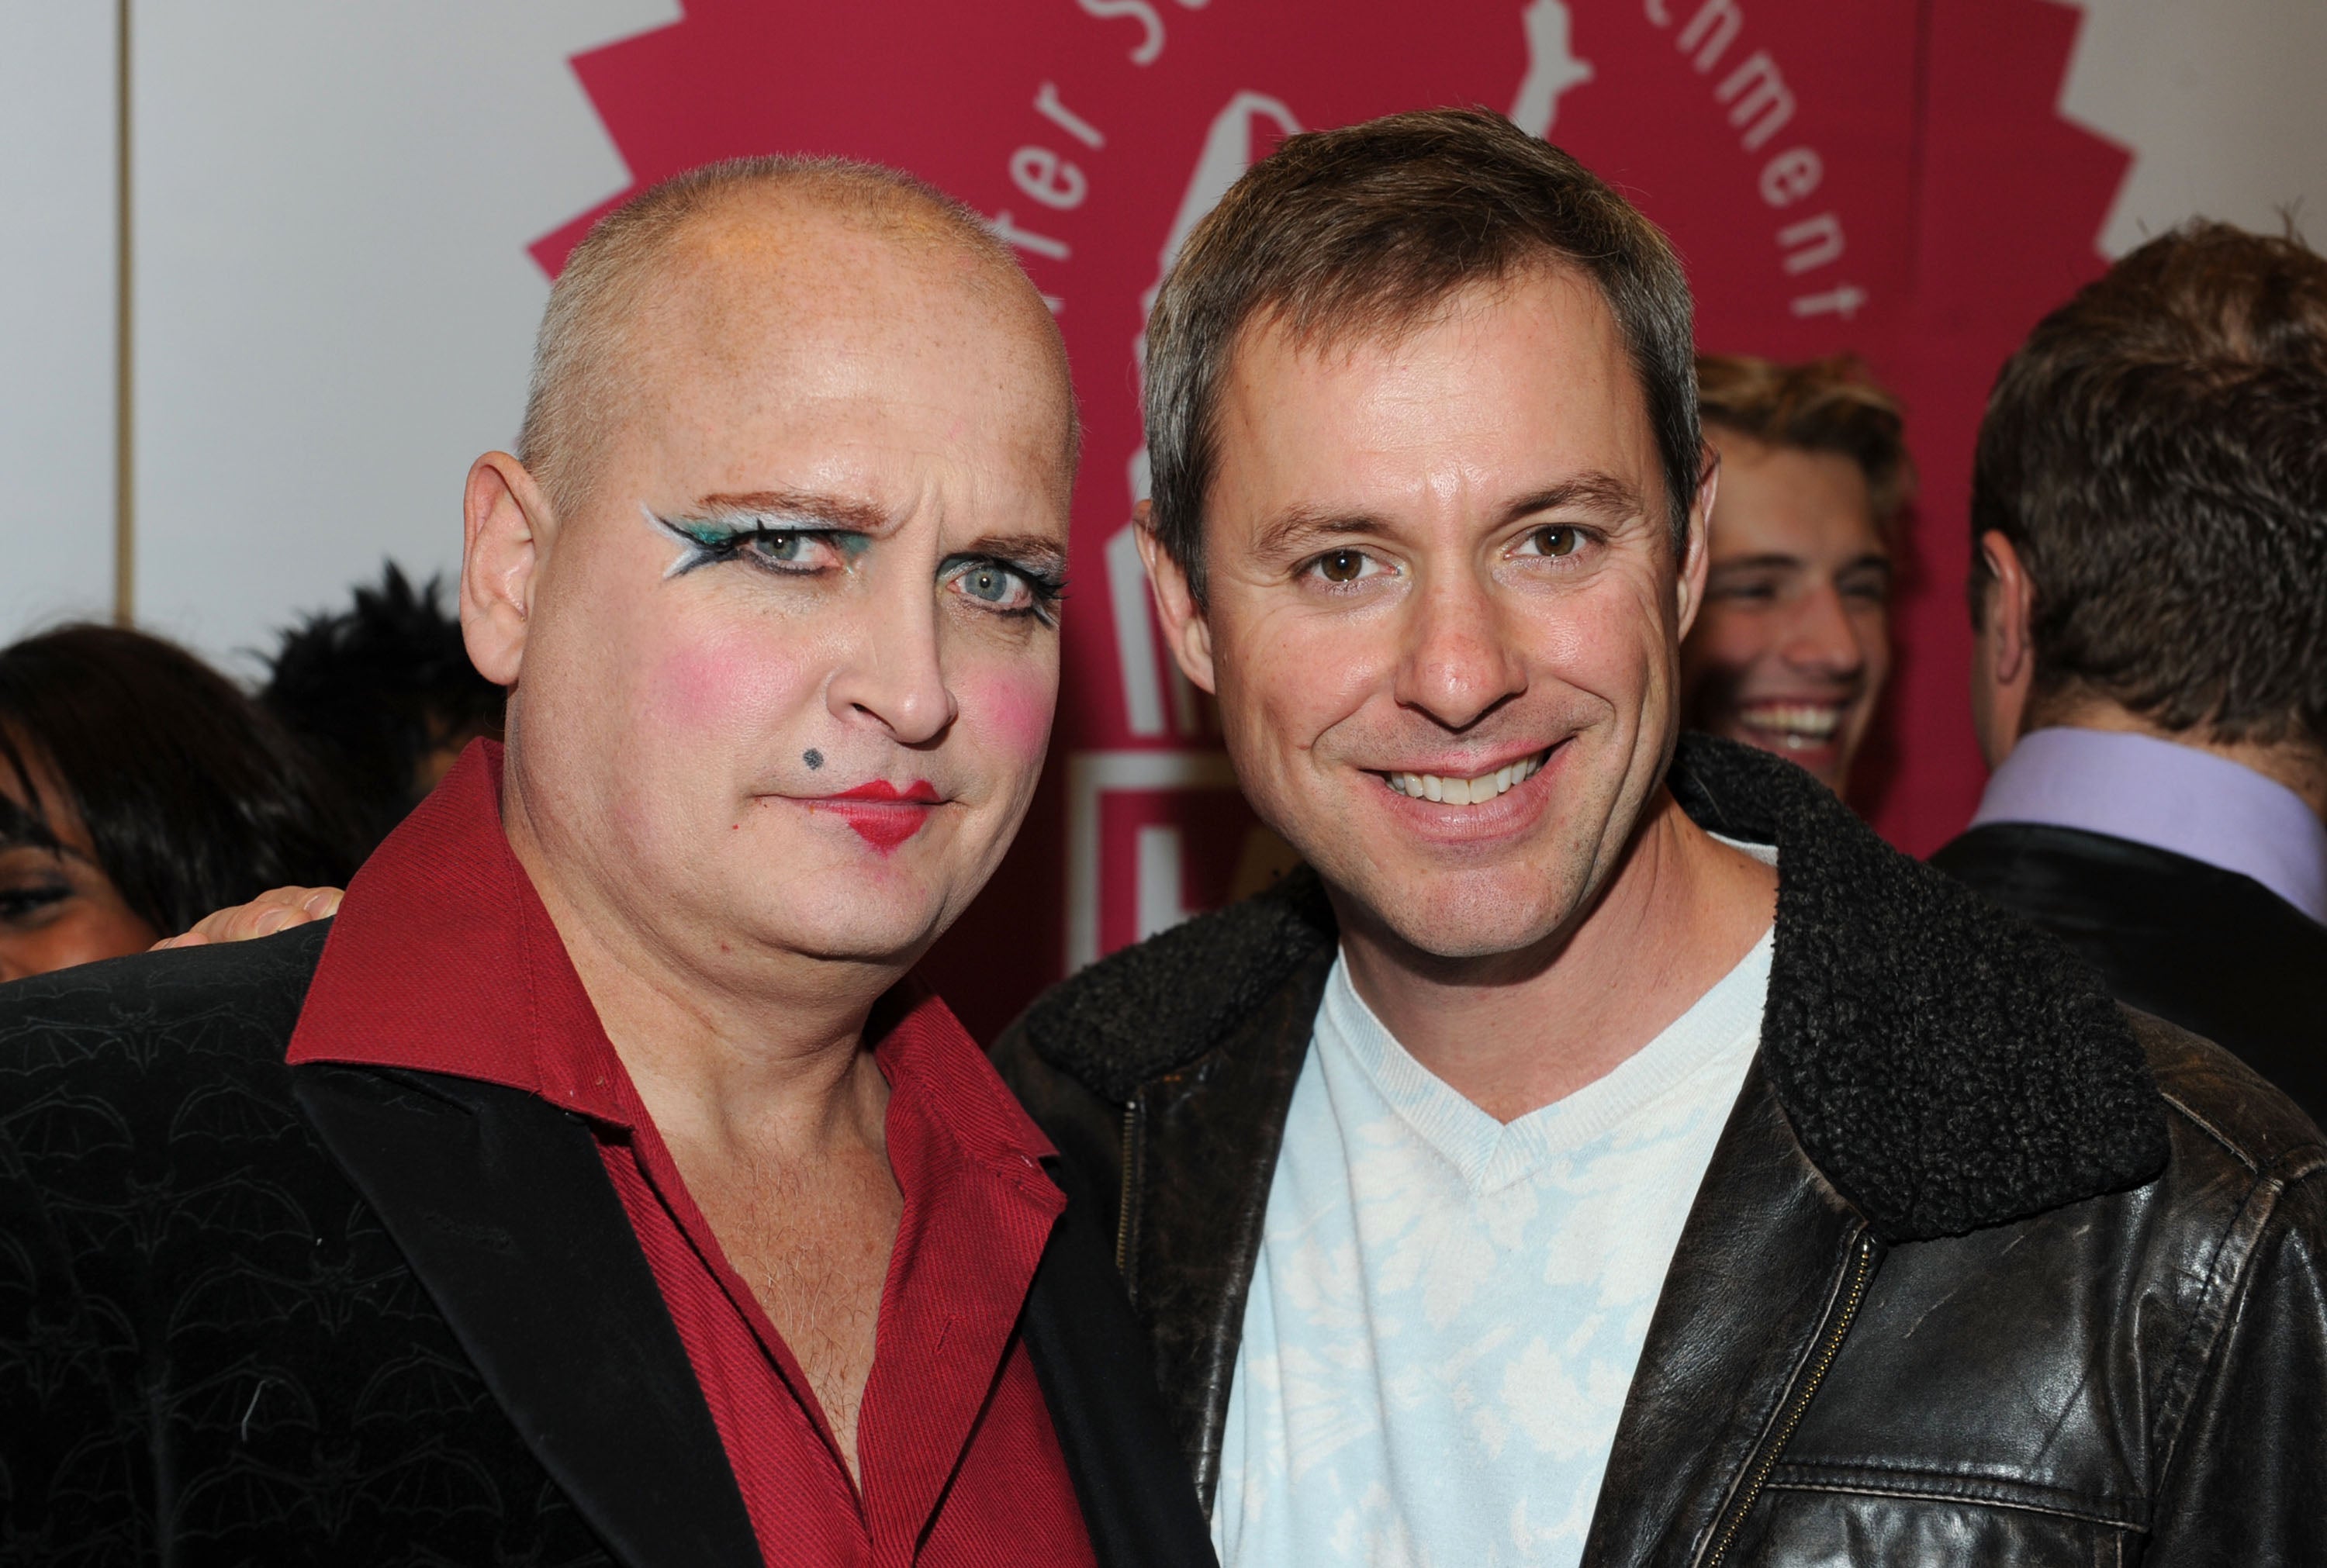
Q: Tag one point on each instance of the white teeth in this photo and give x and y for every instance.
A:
(1465, 791)
(1794, 721)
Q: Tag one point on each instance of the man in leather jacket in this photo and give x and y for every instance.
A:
(1610, 1152)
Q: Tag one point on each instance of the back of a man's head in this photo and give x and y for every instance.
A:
(2156, 455)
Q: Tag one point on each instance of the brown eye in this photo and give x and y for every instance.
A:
(1557, 540)
(1341, 565)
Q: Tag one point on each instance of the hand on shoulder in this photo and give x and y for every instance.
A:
(276, 909)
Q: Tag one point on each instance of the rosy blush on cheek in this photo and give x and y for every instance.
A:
(717, 684)
(1012, 715)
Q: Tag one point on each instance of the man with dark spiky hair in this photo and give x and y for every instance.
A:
(1612, 1153)
(2149, 611)
(384, 696)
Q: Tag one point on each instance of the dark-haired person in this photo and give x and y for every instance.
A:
(382, 693)
(2149, 674)
(1614, 1152)
(1792, 647)
(140, 789)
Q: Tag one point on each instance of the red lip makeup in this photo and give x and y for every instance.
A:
(882, 814)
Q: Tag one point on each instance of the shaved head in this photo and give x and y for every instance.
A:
(663, 257)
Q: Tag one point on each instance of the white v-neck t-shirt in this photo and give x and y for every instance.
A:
(1447, 1311)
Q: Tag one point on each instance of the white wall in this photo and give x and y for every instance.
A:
(335, 303)
(57, 111)
(2221, 103)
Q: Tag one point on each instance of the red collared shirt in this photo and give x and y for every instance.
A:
(443, 960)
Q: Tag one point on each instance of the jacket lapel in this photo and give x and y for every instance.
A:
(501, 1204)
(1760, 1284)
(1092, 1361)
(1201, 1156)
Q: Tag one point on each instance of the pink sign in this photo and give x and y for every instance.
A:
(1888, 179)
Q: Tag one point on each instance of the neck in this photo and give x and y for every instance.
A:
(753, 1050)
(2301, 767)
(1515, 1031)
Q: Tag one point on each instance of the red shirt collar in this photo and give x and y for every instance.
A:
(443, 959)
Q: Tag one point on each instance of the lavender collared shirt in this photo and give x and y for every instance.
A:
(2169, 797)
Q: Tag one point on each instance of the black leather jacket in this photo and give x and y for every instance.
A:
(1984, 1268)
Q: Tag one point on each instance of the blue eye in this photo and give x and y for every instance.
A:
(1003, 588)
(995, 585)
(992, 584)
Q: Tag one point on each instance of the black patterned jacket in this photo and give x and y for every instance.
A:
(252, 1313)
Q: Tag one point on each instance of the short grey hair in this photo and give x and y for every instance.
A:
(1368, 228)
(608, 278)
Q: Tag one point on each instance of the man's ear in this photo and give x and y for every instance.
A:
(2011, 610)
(1185, 630)
(506, 528)
(2003, 653)
(1696, 548)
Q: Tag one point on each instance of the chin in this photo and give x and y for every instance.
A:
(844, 919)
(1478, 913)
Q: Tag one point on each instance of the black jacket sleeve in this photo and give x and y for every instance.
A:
(2244, 1480)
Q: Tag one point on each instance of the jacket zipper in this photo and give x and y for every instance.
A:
(1828, 1350)
(1123, 1209)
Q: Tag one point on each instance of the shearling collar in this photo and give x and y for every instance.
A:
(1944, 1067)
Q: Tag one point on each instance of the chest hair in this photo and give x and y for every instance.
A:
(813, 1242)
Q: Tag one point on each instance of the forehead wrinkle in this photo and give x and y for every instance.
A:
(739, 306)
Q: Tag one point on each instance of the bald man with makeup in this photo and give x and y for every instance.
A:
(599, 1186)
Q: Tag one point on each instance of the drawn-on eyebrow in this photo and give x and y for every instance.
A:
(1037, 552)
(1300, 528)
(847, 513)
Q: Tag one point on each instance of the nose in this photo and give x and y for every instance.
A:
(1458, 663)
(1821, 639)
(894, 673)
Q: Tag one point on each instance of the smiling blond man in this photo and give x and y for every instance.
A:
(598, 1187)
(1613, 1153)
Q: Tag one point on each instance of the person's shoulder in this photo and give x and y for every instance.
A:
(1158, 1004)
(182, 1012)
(2233, 1120)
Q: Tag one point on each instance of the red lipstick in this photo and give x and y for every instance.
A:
(882, 814)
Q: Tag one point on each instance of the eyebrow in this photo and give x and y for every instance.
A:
(1037, 550)
(1774, 561)
(1602, 494)
(844, 512)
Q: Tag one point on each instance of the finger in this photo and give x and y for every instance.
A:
(276, 909)
(269, 912)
